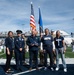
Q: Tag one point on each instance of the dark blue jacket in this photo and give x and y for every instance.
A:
(33, 40)
(19, 44)
(47, 41)
(9, 42)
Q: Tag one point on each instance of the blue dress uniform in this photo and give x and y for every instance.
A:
(48, 47)
(33, 50)
(19, 43)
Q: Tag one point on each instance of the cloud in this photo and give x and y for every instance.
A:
(63, 26)
(55, 14)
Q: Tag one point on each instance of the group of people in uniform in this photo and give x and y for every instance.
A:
(50, 46)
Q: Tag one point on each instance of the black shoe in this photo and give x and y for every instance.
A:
(20, 69)
(37, 69)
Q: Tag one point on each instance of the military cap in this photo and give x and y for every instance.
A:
(18, 31)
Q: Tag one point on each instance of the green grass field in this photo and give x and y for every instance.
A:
(68, 54)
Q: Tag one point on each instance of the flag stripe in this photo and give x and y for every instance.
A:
(32, 23)
(32, 20)
(32, 16)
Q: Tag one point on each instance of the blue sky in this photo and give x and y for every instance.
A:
(56, 14)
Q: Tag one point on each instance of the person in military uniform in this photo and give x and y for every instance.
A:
(60, 49)
(24, 51)
(33, 42)
(54, 53)
(47, 41)
(19, 47)
(41, 53)
(9, 43)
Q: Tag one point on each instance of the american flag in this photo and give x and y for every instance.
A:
(32, 19)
